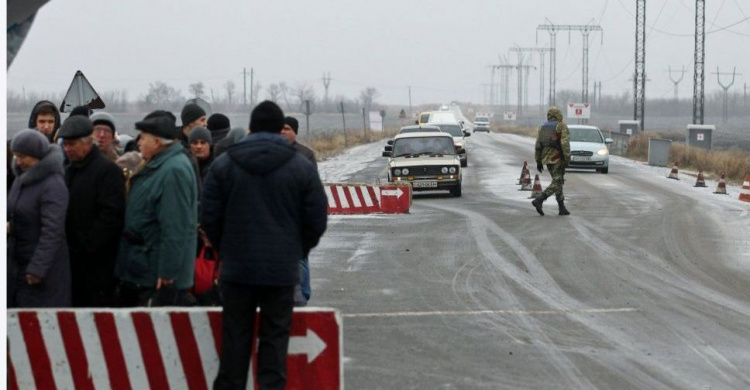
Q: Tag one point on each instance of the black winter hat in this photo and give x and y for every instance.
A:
(190, 113)
(80, 110)
(268, 117)
(76, 127)
(200, 132)
(158, 124)
(218, 122)
(293, 123)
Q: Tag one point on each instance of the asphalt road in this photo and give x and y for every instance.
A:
(643, 287)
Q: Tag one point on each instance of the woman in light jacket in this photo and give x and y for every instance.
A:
(38, 265)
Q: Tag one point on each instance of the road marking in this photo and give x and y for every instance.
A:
(482, 312)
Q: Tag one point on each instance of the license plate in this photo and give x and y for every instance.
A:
(581, 158)
(425, 184)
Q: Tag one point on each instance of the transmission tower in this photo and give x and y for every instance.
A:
(676, 82)
(326, 83)
(585, 30)
(724, 113)
(699, 74)
(639, 79)
(542, 51)
(492, 84)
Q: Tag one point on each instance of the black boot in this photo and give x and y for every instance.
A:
(563, 210)
(537, 203)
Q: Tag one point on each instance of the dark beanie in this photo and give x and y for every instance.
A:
(268, 117)
(199, 132)
(31, 143)
(80, 110)
(218, 122)
(293, 123)
(190, 113)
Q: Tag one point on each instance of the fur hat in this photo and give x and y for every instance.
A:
(31, 143)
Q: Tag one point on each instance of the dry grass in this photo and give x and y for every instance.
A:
(330, 144)
(517, 130)
(734, 163)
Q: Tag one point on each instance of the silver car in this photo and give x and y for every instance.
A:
(588, 148)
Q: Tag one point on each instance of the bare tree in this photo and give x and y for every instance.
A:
(368, 96)
(303, 91)
(161, 95)
(256, 91)
(285, 92)
(230, 88)
(273, 93)
(197, 89)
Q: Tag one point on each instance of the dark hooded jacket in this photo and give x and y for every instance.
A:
(37, 205)
(264, 208)
(96, 213)
(34, 113)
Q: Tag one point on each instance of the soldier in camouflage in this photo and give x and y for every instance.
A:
(553, 150)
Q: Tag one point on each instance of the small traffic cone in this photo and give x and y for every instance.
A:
(722, 187)
(526, 182)
(673, 174)
(745, 194)
(701, 181)
(524, 171)
(537, 190)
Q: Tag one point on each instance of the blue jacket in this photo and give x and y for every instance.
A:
(264, 208)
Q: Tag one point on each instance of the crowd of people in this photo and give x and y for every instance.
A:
(97, 220)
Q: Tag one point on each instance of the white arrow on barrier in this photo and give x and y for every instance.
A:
(397, 192)
(310, 345)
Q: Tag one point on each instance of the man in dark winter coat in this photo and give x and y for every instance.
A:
(45, 118)
(200, 148)
(96, 212)
(219, 126)
(38, 266)
(263, 208)
(192, 116)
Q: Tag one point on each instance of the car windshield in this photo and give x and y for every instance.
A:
(481, 120)
(424, 118)
(454, 130)
(418, 130)
(423, 145)
(585, 135)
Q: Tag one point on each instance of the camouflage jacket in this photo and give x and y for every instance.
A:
(551, 155)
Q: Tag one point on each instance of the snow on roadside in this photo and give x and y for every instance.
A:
(354, 159)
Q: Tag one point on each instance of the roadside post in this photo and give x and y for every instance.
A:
(307, 120)
(343, 119)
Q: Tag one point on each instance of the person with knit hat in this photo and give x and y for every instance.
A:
(38, 264)
(157, 249)
(192, 116)
(263, 208)
(105, 134)
(219, 126)
(200, 140)
(96, 213)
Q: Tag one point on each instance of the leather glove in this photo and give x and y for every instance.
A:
(540, 167)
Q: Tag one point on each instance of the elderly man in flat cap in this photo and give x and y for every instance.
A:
(155, 262)
(96, 211)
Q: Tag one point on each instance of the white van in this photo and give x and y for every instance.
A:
(449, 123)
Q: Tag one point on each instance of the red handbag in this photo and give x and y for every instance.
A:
(207, 269)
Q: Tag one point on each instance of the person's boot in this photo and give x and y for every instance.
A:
(537, 203)
(561, 206)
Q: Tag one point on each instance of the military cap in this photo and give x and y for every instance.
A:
(76, 127)
(159, 126)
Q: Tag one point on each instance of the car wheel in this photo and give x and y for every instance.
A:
(603, 170)
(456, 191)
(465, 163)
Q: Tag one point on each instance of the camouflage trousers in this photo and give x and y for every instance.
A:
(558, 179)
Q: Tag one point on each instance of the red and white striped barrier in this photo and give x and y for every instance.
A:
(154, 349)
(348, 198)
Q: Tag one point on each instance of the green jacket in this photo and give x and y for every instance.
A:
(551, 155)
(161, 220)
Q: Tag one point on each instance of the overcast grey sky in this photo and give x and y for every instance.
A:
(440, 48)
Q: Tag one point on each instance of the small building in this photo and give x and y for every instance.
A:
(629, 127)
(700, 136)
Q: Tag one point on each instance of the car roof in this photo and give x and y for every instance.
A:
(424, 127)
(583, 127)
(423, 135)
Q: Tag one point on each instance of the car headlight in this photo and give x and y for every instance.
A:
(397, 172)
(452, 170)
(405, 171)
(444, 170)
(603, 152)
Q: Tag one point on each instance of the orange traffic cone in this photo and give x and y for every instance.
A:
(701, 181)
(673, 174)
(537, 190)
(745, 194)
(526, 182)
(524, 171)
(722, 187)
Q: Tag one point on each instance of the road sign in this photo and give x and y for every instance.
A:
(80, 93)
(376, 121)
(395, 198)
(155, 349)
(579, 110)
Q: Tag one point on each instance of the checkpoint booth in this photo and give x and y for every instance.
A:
(629, 127)
(700, 136)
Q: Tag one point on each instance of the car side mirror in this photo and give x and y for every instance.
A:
(416, 122)
(390, 142)
(387, 154)
(459, 149)
(609, 141)
(467, 134)
(388, 148)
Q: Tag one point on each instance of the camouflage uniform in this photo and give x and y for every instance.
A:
(553, 150)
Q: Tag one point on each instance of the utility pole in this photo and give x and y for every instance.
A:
(542, 51)
(699, 74)
(639, 79)
(343, 118)
(585, 30)
(307, 120)
(326, 84)
(244, 87)
(411, 114)
(724, 114)
(676, 82)
(252, 87)
(492, 84)
(744, 96)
